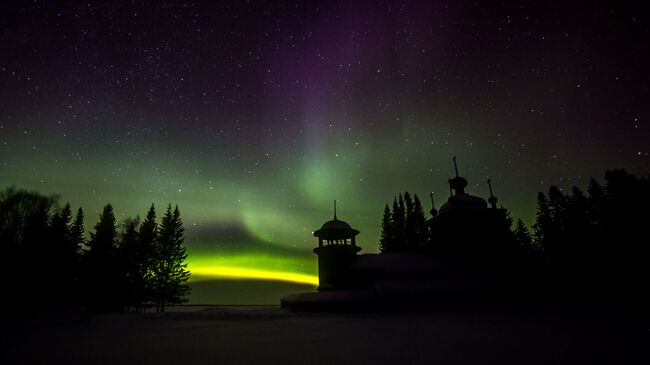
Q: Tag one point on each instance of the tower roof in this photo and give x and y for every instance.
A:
(336, 229)
(335, 224)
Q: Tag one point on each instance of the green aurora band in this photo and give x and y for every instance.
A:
(208, 266)
(274, 201)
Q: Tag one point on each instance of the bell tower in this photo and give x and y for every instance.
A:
(337, 249)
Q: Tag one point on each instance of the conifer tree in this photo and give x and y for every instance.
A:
(543, 222)
(404, 229)
(386, 241)
(76, 243)
(63, 231)
(398, 224)
(60, 236)
(61, 221)
(408, 203)
(146, 255)
(420, 223)
(77, 231)
(171, 274)
(410, 233)
(596, 202)
(522, 235)
(556, 202)
(101, 273)
(61, 262)
(128, 258)
(104, 239)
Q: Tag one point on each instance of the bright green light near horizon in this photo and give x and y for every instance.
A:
(244, 273)
(206, 266)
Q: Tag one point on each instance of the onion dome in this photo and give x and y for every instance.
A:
(492, 199)
(457, 183)
(460, 199)
(433, 210)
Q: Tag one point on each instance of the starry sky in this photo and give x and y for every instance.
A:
(254, 116)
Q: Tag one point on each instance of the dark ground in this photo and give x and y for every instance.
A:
(231, 335)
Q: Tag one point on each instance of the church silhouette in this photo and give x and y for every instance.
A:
(465, 258)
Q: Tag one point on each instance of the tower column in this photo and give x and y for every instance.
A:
(336, 251)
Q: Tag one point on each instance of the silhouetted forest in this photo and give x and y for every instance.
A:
(592, 244)
(597, 241)
(48, 264)
(404, 228)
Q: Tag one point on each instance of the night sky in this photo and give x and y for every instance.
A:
(254, 116)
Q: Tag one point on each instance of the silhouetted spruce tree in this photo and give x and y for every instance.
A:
(577, 228)
(597, 220)
(101, 266)
(402, 213)
(63, 261)
(410, 234)
(563, 236)
(419, 223)
(594, 240)
(61, 222)
(171, 274)
(548, 230)
(556, 207)
(399, 226)
(531, 258)
(543, 228)
(129, 262)
(143, 257)
(404, 229)
(77, 241)
(625, 221)
(523, 236)
(77, 232)
(60, 238)
(386, 243)
(596, 202)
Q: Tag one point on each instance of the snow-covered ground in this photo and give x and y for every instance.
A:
(270, 335)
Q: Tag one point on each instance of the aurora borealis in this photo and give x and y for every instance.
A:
(254, 116)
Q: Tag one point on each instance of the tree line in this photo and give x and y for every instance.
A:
(404, 228)
(598, 239)
(49, 264)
